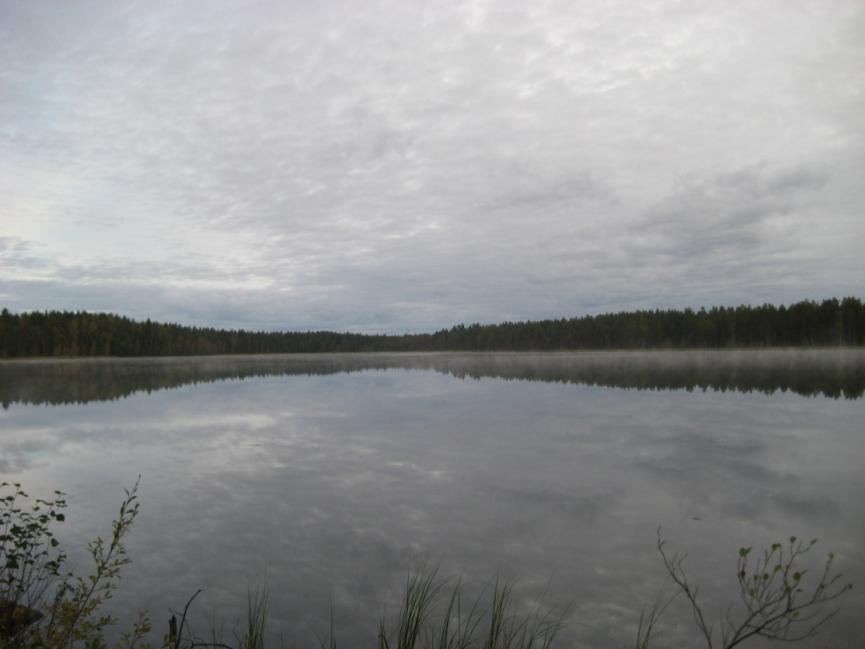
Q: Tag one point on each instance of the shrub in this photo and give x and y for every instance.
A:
(42, 605)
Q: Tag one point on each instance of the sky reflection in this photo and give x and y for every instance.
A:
(330, 486)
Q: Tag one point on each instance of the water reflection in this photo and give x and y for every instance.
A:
(328, 481)
(833, 373)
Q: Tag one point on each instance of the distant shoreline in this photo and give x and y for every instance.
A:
(831, 323)
(336, 354)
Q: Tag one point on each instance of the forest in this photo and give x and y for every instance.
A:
(831, 322)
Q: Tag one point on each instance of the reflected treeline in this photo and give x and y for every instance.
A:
(834, 373)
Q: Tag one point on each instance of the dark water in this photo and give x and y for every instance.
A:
(329, 477)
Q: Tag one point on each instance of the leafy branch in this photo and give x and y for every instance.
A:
(777, 601)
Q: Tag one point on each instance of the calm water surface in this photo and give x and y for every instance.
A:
(328, 477)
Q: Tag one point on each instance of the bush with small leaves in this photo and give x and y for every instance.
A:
(778, 601)
(43, 605)
(29, 559)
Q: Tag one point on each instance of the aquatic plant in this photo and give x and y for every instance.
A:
(427, 620)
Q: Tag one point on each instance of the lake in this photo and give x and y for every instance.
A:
(329, 477)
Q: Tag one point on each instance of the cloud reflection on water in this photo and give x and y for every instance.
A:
(331, 485)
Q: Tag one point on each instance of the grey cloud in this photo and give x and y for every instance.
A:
(513, 162)
(16, 252)
(739, 231)
(726, 212)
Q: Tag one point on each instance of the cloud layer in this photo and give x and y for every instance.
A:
(392, 166)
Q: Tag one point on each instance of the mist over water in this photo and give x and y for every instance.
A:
(328, 477)
(836, 372)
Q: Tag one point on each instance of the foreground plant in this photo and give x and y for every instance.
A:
(778, 600)
(426, 620)
(41, 603)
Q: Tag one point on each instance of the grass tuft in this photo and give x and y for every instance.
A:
(428, 620)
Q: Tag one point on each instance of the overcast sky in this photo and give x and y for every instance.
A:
(407, 165)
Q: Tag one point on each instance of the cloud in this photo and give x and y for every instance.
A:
(399, 167)
(739, 228)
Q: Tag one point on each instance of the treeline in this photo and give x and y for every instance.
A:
(831, 322)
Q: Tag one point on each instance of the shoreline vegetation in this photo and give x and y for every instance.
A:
(830, 323)
(43, 605)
